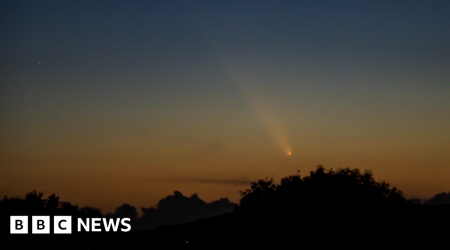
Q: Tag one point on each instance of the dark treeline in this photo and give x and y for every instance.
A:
(346, 205)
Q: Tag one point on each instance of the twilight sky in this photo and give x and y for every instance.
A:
(108, 102)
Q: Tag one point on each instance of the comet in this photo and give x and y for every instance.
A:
(269, 120)
(248, 86)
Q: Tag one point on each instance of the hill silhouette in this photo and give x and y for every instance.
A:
(344, 205)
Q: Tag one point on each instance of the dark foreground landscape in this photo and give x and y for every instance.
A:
(338, 208)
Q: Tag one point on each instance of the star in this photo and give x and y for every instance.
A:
(39, 62)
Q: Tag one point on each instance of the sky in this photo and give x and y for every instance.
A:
(107, 102)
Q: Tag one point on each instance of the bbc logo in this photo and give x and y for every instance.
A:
(63, 224)
(41, 224)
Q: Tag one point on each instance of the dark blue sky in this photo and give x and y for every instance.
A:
(220, 89)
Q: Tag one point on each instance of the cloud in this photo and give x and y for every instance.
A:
(243, 181)
(416, 201)
(187, 139)
(203, 147)
(136, 132)
(172, 210)
(91, 212)
(438, 199)
(125, 211)
(200, 146)
(213, 146)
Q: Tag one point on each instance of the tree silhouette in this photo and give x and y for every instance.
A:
(52, 202)
(258, 193)
(316, 208)
(332, 200)
(343, 187)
